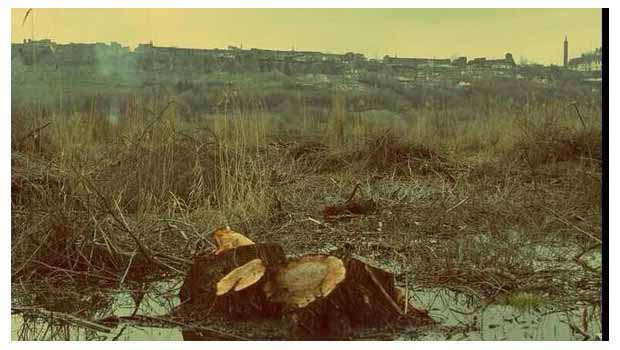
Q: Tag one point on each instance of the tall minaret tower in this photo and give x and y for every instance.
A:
(565, 51)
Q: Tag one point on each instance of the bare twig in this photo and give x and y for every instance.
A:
(357, 186)
(577, 330)
(566, 222)
(127, 269)
(33, 132)
(385, 294)
(119, 220)
(74, 272)
(62, 317)
(457, 204)
(312, 220)
(165, 319)
(575, 104)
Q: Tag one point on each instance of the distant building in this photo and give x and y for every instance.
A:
(478, 61)
(460, 62)
(507, 62)
(149, 57)
(587, 62)
(416, 62)
(34, 51)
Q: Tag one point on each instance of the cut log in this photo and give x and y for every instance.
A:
(349, 209)
(230, 283)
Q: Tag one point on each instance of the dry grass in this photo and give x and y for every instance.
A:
(456, 198)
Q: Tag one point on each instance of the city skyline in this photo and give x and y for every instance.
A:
(455, 32)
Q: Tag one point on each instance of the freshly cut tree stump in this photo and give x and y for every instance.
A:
(312, 297)
(343, 295)
(230, 283)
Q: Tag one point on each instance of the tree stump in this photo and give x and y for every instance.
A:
(199, 293)
(311, 297)
(365, 298)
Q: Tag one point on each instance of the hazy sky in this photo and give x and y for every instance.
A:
(533, 33)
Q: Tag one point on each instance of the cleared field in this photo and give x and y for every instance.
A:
(495, 203)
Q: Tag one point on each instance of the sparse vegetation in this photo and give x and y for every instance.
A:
(524, 301)
(463, 197)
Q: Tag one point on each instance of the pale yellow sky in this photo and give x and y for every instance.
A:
(533, 33)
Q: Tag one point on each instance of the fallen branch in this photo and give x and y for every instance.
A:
(150, 321)
(577, 330)
(75, 272)
(385, 294)
(120, 220)
(127, 269)
(313, 220)
(62, 317)
(566, 222)
(357, 186)
(457, 204)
